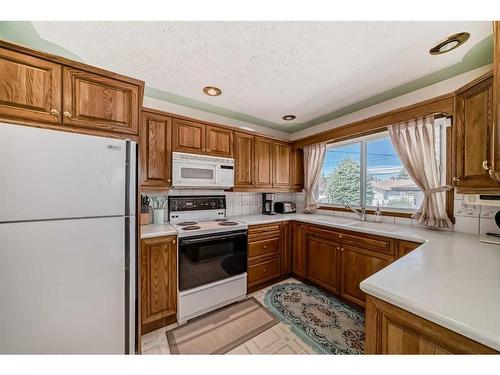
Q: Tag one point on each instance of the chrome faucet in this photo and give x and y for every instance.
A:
(361, 212)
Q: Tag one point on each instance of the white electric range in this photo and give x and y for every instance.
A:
(212, 255)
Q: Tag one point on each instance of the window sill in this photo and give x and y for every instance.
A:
(393, 213)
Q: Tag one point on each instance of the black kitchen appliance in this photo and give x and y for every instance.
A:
(285, 207)
(268, 203)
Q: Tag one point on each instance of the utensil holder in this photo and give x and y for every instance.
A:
(159, 216)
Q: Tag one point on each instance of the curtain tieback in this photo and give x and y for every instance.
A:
(437, 190)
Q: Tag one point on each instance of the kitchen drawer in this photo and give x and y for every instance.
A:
(257, 231)
(264, 247)
(264, 271)
(381, 244)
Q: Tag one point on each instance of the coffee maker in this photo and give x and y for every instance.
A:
(268, 204)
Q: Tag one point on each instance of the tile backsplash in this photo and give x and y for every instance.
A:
(468, 218)
(471, 218)
(237, 203)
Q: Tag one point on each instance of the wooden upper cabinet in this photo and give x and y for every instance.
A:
(496, 102)
(281, 165)
(156, 151)
(473, 134)
(219, 141)
(158, 282)
(297, 168)
(243, 160)
(30, 88)
(97, 102)
(263, 162)
(188, 136)
(357, 265)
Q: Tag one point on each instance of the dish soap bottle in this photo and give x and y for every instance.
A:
(378, 214)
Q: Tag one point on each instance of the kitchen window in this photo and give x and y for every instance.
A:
(367, 171)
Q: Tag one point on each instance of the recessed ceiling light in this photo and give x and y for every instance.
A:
(212, 91)
(288, 117)
(449, 44)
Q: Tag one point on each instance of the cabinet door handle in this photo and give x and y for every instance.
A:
(55, 112)
(486, 165)
(173, 241)
(265, 246)
(265, 269)
(67, 114)
(456, 180)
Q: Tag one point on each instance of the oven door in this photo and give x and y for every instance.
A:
(192, 174)
(209, 258)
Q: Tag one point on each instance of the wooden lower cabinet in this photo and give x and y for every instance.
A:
(391, 330)
(265, 247)
(405, 247)
(357, 265)
(323, 262)
(158, 276)
(286, 249)
(298, 248)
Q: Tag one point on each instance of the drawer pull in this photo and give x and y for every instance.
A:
(265, 246)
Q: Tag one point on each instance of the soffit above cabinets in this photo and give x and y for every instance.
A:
(265, 70)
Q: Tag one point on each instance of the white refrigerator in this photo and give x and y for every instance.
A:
(67, 242)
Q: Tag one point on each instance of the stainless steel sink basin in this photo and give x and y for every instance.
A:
(337, 220)
(375, 226)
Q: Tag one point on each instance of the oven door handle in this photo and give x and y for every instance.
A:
(203, 239)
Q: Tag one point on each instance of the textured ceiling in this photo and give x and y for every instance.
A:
(266, 69)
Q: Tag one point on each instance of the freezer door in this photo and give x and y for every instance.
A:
(62, 286)
(46, 174)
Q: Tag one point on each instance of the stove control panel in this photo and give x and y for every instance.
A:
(196, 203)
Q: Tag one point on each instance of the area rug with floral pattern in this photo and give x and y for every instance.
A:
(322, 321)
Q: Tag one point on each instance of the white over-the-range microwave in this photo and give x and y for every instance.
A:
(201, 171)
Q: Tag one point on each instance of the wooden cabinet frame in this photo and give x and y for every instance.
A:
(155, 151)
(472, 134)
(55, 92)
(158, 282)
(391, 330)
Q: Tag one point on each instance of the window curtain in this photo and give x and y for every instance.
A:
(414, 143)
(313, 161)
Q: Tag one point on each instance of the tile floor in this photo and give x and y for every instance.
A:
(278, 339)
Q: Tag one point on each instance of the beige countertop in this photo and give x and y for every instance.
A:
(453, 279)
(157, 230)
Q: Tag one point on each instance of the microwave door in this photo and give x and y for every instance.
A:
(195, 174)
